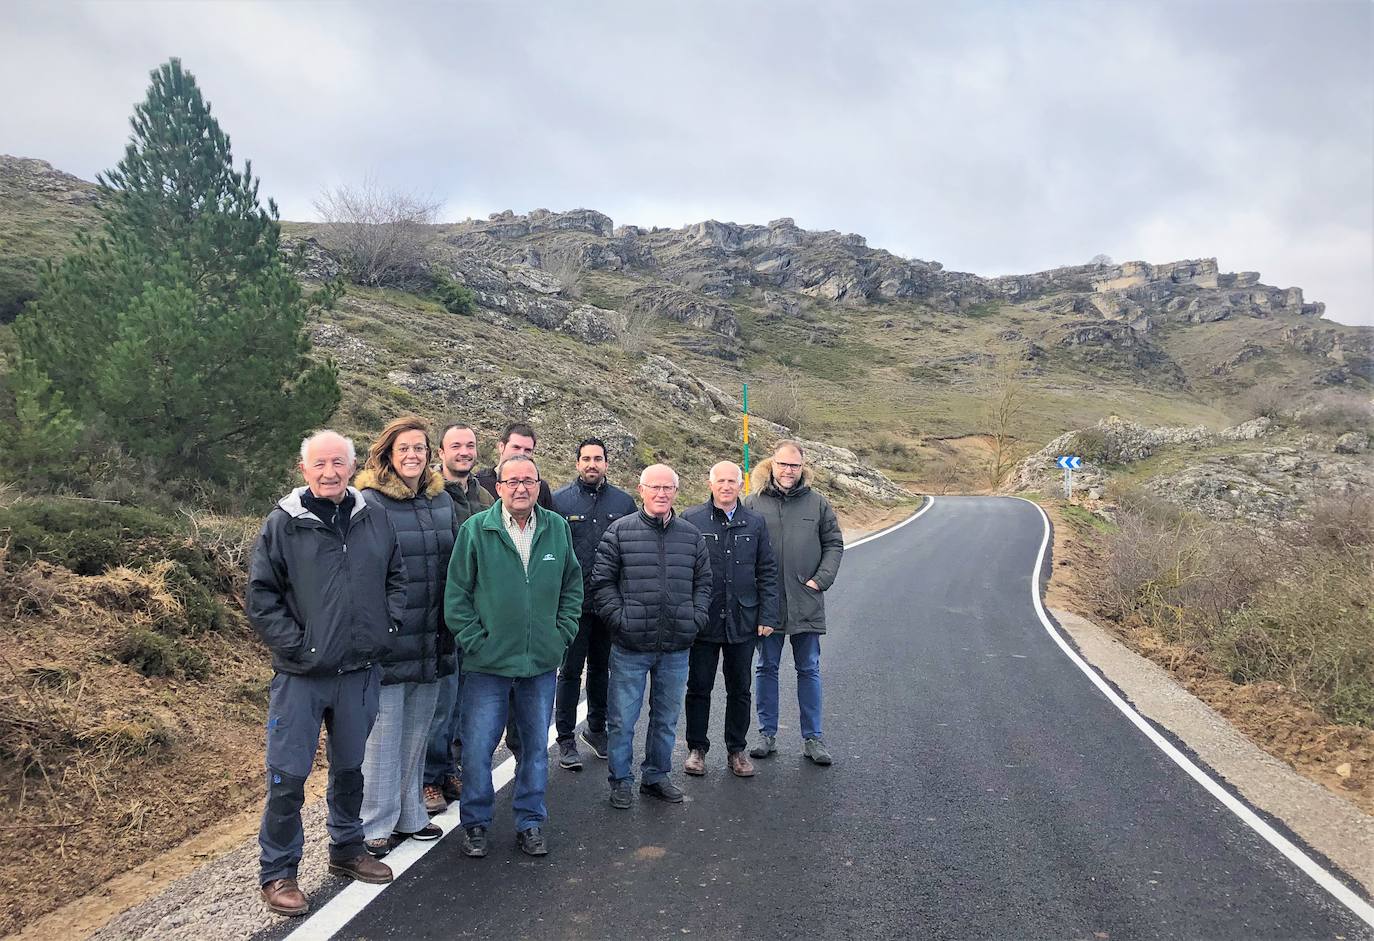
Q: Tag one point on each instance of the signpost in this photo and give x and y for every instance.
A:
(744, 407)
(1070, 463)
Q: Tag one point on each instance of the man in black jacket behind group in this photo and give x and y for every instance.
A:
(744, 607)
(590, 504)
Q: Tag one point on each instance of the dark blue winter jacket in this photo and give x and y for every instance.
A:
(744, 573)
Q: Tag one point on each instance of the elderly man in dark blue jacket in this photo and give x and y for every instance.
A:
(652, 582)
(744, 607)
(326, 593)
(590, 504)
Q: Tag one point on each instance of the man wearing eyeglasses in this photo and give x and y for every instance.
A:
(652, 586)
(513, 602)
(808, 543)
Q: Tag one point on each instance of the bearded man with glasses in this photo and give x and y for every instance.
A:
(651, 584)
(513, 603)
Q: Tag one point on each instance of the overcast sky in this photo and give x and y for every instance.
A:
(994, 138)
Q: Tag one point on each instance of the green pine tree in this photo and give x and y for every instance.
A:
(177, 333)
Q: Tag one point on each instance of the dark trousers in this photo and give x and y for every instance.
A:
(701, 679)
(346, 704)
(592, 648)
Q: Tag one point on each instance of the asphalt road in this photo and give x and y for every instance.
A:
(983, 788)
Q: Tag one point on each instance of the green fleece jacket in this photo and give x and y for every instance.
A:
(510, 623)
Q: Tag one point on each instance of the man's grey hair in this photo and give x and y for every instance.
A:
(676, 481)
(515, 459)
(721, 467)
(328, 433)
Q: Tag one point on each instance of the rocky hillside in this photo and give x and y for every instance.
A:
(839, 341)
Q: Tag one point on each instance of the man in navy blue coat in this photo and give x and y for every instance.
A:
(744, 607)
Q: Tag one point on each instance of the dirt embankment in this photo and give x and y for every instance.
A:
(1339, 757)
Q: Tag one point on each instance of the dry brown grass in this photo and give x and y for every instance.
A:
(99, 764)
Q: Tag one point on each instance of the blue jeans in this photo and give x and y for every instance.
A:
(444, 730)
(666, 675)
(487, 700)
(806, 656)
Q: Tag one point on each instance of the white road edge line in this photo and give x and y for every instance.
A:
(356, 896)
(353, 898)
(1362, 909)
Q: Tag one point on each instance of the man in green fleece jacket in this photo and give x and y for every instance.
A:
(513, 601)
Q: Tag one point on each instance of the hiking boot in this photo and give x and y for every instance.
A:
(740, 765)
(664, 790)
(696, 762)
(475, 841)
(531, 842)
(451, 787)
(767, 745)
(815, 749)
(620, 795)
(383, 845)
(568, 758)
(363, 868)
(284, 897)
(434, 800)
(595, 741)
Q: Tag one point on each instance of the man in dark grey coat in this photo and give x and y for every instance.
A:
(326, 593)
(652, 584)
(807, 541)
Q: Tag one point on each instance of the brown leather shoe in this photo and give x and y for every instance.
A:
(696, 762)
(740, 765)
(363, 868)
(284, 897)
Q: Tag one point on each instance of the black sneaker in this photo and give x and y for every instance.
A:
(568, 758)
(531, 842)
(664, 790)
(596, 741)
(620, 795)
(474, 841)
(426, 833)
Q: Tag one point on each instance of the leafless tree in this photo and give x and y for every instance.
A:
(1002, 389)
(782, 402)
(380, 232)
(1101, 260)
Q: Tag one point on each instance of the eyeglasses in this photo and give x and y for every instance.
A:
(660, 488)
(407, 449)
(788, 466)
(523, 483)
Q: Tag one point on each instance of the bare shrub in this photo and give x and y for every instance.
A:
(1336, 414)
(782, 403)
(635, 324)
(1265, 402)
(1091, 445)
(379, 232)
(569, 265)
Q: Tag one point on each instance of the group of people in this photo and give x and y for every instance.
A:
(427, 609)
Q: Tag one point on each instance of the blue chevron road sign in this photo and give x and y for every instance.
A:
(1069, 462)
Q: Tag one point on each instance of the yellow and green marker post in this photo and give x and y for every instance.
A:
(745, 410)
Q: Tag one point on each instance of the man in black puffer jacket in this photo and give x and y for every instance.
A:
(652, 585)
(590, 504)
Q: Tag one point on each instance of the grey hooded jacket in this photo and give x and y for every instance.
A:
(324, 604)
(807, 541)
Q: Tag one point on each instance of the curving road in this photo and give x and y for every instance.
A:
(983, 788)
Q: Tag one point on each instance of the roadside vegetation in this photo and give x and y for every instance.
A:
(1292, 605)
